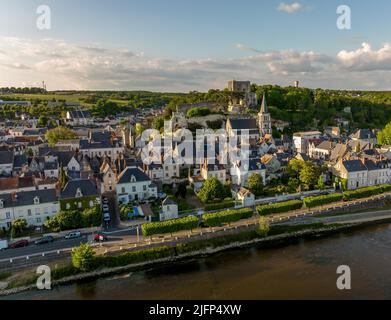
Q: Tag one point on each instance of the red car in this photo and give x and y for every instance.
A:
(100, 238)
(19, 244)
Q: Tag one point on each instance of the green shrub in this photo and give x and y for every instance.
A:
(280, 207)
(83, 257)
(217, 219)
(264, 227)
(386, 187)
(220, 205)
(322, 200)
(170, 226)
(198, 112)
(364, 192)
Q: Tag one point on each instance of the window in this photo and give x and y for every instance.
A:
(91, 204)
(123, 190)
(133, 189)
(145, 188)
(39, 220)
(8, 215)
(29, 212)
(79, 205)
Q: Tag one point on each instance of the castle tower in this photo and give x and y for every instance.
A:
(264, 119)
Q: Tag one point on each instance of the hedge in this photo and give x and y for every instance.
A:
(170, 226)
(217, 219)
(219, 206)
(322, 200)
(364, 192)
(280, 207)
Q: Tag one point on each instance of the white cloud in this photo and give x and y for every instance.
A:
(66, 65)
(290, 8)
(366, 58)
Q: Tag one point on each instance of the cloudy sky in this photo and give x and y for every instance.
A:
(183, 45)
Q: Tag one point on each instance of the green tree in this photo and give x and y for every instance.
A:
(42, 121)
(309, 175)
(255, 184)
(59, 133)
(321, 185)
(62, 177)
(17, 227)
(212, 189)
(384, 136)
(83, 257)
(158, 123)
(294, 167)
(264, 227)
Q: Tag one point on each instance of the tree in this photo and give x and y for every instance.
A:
(211, 189)
(42, 121)
(62, 177)
(139, 129)
(321, 185)
(17, 227)
(293, 185)
(83, 257)
(264, 227)
(384, 136)
(309, 175)
(158, 123)
(182, 191)
(294, 167)
(255, 184)
(60, 133)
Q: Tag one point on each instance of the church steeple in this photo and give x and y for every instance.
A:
(264, 119)
(264, 108)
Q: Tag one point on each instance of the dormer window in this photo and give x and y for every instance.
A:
(36, 200)
(1, 203)
(79, 194)
(133, 179)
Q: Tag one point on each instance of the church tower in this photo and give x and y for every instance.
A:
(264, 119)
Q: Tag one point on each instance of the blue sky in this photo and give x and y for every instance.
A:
(189, 43)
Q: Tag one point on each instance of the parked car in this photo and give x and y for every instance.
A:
(105, 201)
(19, 244)
(100, 238)
(44, 240)
(73, 235)
(3, 244)
(105, 208)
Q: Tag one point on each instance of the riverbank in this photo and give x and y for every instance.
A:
(200, 249)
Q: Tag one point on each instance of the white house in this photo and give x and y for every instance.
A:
(240, 172)
(301, 140)
(34, 206)
(134, 185)
(354, 172)
(108, 178)
(244, 197)
(169, 210)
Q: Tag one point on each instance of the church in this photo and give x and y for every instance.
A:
(258, 127)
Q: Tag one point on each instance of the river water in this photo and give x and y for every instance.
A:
(304, 270)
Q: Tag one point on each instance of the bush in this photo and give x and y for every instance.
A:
(264, 227)
(322, 200)
(364, 192)
(217, 219)
(83, 257)
(170, 226)
(220, 205)
(134, 257)
(198, 112)
(280, 207)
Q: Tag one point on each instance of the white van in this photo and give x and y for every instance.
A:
(3, 244)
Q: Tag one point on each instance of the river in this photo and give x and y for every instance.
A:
(304, 270)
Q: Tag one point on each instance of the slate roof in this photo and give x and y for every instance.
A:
(6, 157)
(20, 161)
(354, 165)
(243, 124)
(126, 175)
(87, 187)
(364, 134)
(25, 198)
(79, 114)
(169, 202)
